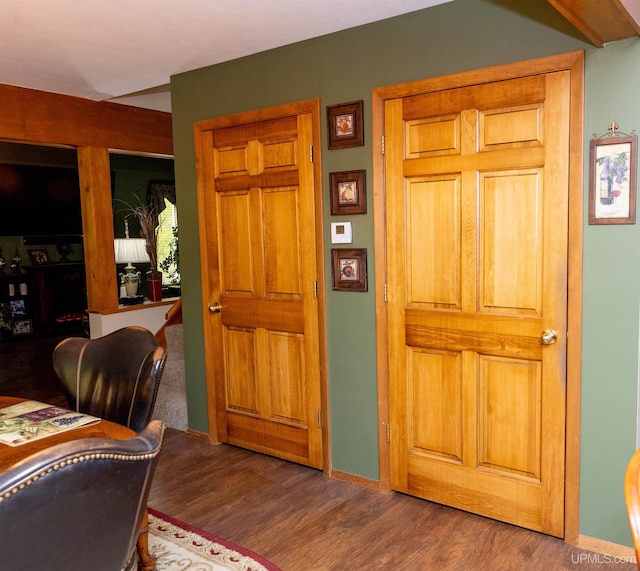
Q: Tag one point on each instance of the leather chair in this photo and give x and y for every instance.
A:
(114, 377)
(78, 505)
(632, 500)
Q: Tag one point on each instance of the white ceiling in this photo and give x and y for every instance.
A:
(106, 49)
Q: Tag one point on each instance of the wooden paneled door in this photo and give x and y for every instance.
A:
(477, 187)
(258, 199)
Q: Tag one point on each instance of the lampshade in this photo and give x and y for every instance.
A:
(130, 250)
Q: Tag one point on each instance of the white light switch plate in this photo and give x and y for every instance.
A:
(341, 233)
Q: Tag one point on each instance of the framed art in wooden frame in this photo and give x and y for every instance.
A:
(612, 180)
(39, 257)
(349, 269)
(345, 125)
(348, 192)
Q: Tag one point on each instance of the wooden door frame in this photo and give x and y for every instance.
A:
(311, 106)
(574, 63)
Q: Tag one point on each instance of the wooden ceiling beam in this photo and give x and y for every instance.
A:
(602, 21)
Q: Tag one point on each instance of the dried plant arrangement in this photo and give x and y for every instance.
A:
(148, 220)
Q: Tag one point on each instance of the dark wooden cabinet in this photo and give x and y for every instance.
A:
(59, 299)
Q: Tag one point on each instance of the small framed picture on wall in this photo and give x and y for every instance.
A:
(345, 125)
(349, 269)
(348, 192)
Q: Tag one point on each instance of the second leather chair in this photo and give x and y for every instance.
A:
(115, 377)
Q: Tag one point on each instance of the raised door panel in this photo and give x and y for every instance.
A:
(281, 242)
(432, 136)
(435, 400)
(510, 416)
(433, 241)
(241, 391)
(288, 396)
(237, 275)
(511, 242)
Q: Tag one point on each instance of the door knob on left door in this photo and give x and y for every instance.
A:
(215, 308)
(548, 337)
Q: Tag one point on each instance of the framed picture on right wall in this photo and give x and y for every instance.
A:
(612, 179)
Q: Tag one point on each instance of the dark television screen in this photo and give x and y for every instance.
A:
(39, 200)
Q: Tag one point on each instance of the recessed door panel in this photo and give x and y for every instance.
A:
(433, 242)
(511, 241)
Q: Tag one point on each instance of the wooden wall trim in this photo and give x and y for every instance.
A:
(93, 127)
(33, 116)
(574, 307)
(611, 550)
(380, 277)
(358, 481)
(99, 256)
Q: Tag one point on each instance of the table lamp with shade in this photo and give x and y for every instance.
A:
(130, 251)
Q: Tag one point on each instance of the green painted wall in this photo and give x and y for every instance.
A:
(611, 306)
(458, 36)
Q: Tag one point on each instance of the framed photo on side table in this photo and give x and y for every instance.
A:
(22, 327)
(349, 269)
(345, 125)
(18, 307)
(612, 180)
(348, 192)
(39, 257)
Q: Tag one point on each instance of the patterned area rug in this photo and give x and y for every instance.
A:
(179, 546)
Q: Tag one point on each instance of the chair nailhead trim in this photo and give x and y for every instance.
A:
(75, 460)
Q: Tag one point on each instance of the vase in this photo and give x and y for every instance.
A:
(154, 285)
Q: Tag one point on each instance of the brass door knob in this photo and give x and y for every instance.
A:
(548, 337)
(215, 308)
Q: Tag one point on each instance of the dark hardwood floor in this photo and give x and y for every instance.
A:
(303, 521)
